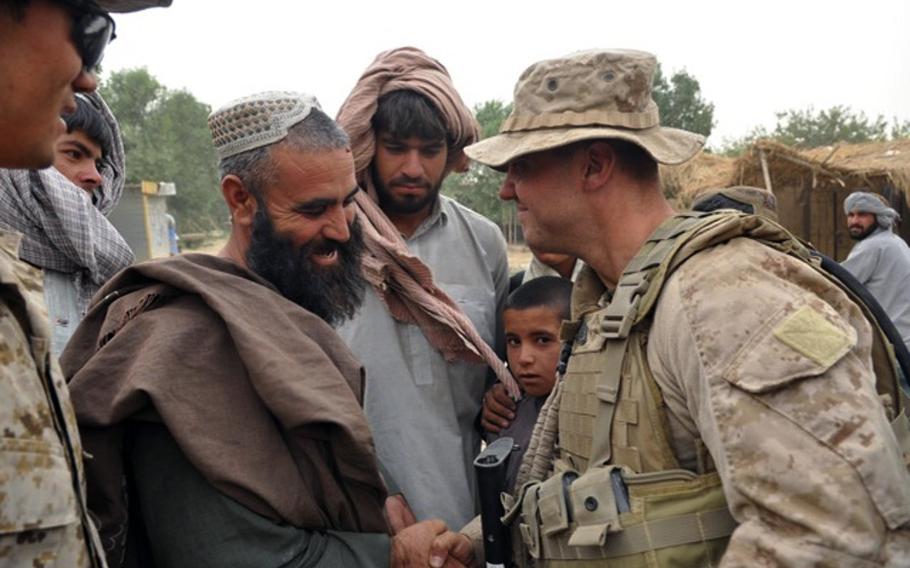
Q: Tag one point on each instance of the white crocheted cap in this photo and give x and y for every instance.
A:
(257, 120)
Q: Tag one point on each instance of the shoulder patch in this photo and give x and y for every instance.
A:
(809, 333)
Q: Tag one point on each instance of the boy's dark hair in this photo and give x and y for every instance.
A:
(403, 114)
(547, 291)
(88, 118)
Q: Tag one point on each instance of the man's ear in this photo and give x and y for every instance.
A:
(239, 200)
(600, 165)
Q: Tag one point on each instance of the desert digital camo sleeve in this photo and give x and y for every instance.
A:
(43, 520)
(773, 366)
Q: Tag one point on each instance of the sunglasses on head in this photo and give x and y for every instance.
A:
(93, 29)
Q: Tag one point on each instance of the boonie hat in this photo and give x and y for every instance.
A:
(257, 120)
(583, 96)
(120, 6)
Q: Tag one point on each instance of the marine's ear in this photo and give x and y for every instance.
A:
(600, 164)
(241, 202)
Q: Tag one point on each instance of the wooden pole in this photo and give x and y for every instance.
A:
(765, 172)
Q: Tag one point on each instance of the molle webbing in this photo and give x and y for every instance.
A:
(612, 330)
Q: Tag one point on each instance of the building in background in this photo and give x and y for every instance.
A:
(141, 217)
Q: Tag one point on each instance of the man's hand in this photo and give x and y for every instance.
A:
(411, 547)
(398, 513)
(498, 409)
(452, 549)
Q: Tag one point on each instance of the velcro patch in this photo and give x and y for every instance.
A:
(809, 333)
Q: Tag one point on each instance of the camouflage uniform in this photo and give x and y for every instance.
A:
(43, 513)
(769, 364)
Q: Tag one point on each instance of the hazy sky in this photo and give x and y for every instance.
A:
(752, 59)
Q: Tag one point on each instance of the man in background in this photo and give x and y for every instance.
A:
(61, 213)
(408, 126)
(880, 260)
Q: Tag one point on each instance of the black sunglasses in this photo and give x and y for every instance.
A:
(93, 29)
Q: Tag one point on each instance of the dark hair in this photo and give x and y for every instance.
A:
(315, 133)
(15, 8)
(719, 201)
(403, 114)
(87, 118)
(547, 291)
(635, 159)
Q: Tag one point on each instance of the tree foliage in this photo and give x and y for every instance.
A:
(681, 103)
(478, 187)
(808, 128)
(166, 139)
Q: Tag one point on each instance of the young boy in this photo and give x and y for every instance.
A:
(61, 214)
(531, 318)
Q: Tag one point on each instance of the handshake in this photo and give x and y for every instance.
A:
(427, 543)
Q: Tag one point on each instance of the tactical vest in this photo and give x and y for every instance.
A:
(617, 495)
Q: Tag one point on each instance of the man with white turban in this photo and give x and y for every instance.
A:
(880, 260)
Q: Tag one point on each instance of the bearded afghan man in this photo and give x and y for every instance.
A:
(216, 390)
(880, 260)
(408, 126)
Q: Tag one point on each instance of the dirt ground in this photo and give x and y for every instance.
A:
(519, 255)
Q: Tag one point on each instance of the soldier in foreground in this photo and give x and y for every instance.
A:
(720, 405)
(48, 50)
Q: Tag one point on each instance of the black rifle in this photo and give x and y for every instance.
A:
(491, 466)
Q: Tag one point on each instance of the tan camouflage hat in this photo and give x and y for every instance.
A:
(586, 95)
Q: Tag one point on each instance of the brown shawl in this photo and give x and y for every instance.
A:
(262, 397)
(402, 281)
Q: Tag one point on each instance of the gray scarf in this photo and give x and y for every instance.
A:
(62, 228)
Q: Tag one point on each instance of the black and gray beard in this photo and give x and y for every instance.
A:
(333, 293)
(864, 234)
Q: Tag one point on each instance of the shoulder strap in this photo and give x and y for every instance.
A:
(633, 298)
(671, 244)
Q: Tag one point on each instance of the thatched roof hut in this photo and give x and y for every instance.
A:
(810, 185)
(700, 174)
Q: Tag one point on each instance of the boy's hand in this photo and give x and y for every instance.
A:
(498, 409)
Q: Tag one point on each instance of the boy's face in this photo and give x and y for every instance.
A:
(532, 347)
(78, 158)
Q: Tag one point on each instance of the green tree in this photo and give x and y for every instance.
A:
(478, 187)
(807, 128)
(681, 103)
(167, 139)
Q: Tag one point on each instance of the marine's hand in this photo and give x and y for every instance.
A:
(411, 547)
(498, 409)
(398, 513)
(451, 550)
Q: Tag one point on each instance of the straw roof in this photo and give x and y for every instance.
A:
(873, 164)
(702, 173)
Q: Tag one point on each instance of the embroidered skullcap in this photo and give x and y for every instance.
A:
(866, 202)
(257, 120)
